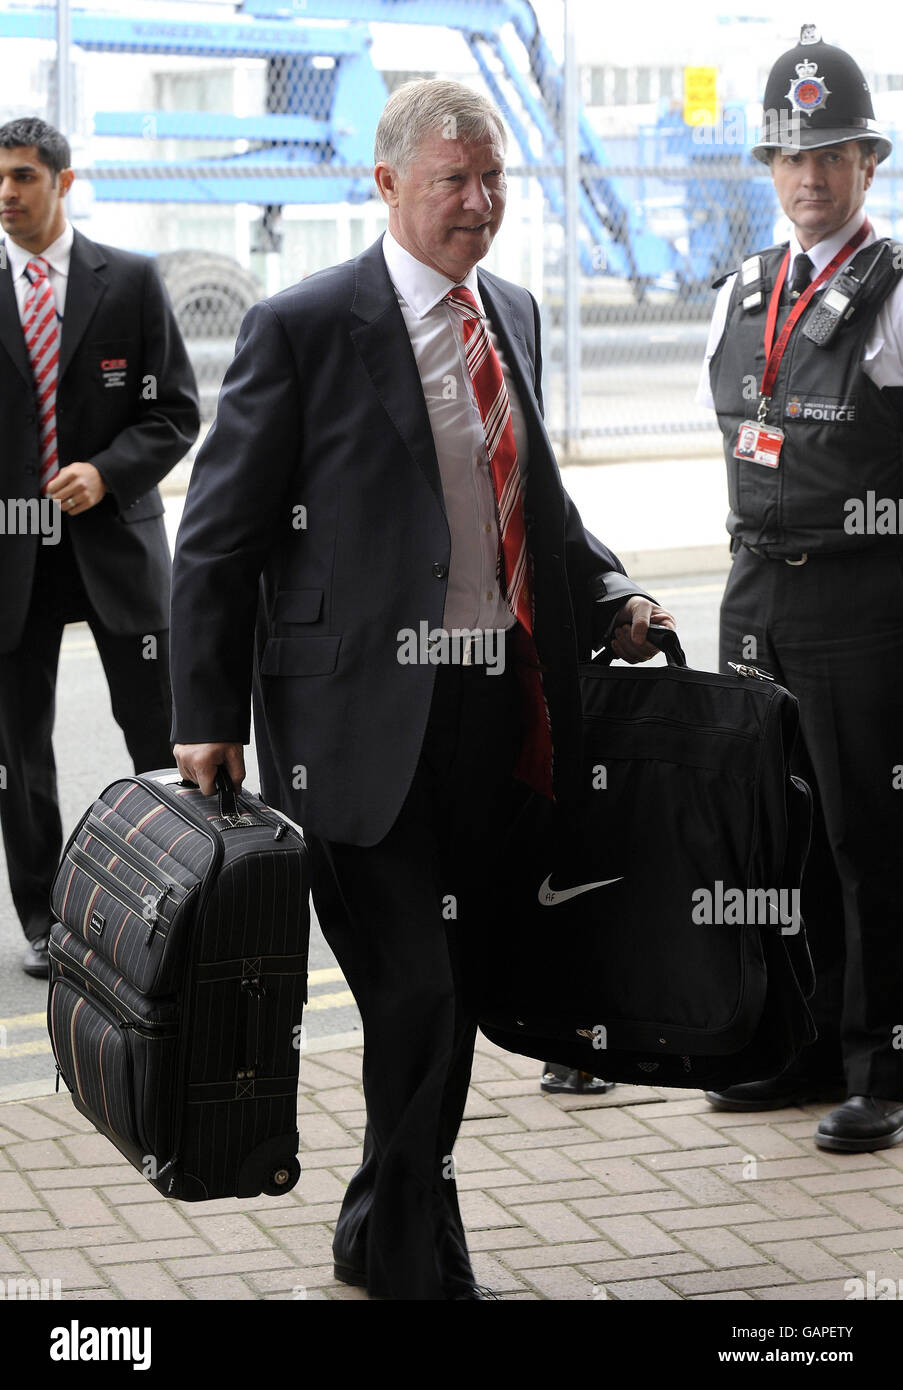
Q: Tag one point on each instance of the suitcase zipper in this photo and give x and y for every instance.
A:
(672, 723)
(751, 672)
(111, 1015)
(140, 907)
(141, 863)
(134, 1021)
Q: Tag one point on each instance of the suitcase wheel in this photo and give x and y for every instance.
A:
(282, 1179)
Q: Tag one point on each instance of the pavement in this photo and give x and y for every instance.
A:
(643, 1194)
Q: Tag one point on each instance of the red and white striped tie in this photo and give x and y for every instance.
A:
(535, 760)
(42, 339)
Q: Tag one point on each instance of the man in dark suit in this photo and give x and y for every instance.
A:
(97, 403)
(378, 496)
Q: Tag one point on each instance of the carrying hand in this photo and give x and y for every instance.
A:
(628, 641)
(198, 762)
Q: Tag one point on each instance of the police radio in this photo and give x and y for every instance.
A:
(838, 303)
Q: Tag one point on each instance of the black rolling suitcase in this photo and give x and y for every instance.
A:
(178, 975)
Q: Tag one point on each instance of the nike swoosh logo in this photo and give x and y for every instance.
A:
(550, 896)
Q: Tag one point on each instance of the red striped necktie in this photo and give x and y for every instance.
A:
(534, 764)
(42, 339)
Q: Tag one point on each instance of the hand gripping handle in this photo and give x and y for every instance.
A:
(665, 638)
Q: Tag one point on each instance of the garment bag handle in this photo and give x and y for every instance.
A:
(665, 638)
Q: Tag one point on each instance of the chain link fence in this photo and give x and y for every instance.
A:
(234, 142)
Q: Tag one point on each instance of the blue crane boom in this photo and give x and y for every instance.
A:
(324, 97)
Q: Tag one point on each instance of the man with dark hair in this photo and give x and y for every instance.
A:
(97, 403)
(815, 594)
(50, 147)
(379, 468)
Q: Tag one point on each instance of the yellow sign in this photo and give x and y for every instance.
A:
(700, 96)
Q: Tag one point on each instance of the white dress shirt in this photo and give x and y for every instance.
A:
(473, 599)
(883, 359)
(56, 255)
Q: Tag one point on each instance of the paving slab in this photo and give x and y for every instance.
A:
(638, 1195)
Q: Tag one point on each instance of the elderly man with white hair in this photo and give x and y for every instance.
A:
(379, 468)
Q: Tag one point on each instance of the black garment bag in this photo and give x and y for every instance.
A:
(651, 932)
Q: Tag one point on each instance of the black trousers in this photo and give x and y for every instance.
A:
(831, 631)
(137, 673)
(396, 916)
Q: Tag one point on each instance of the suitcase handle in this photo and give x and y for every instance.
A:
(228, 801)
(665, 638)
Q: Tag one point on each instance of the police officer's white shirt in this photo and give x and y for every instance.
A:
(57, 256)
(473, 599)
(883, 358)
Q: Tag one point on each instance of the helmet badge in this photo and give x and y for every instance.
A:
(809, 92)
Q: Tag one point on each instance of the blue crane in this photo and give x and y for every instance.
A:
(323, 100)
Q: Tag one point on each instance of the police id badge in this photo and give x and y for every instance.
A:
(759, 443)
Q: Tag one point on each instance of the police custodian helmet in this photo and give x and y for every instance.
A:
(816, 95)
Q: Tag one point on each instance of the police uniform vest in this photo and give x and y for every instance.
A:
(841, 439)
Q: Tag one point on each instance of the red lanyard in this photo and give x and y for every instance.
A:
(774, 351)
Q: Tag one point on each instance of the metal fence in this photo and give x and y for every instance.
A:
(234, 142)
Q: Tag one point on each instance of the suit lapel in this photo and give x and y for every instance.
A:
(381, 338)
(11, 335)
(85, 289)
(506, 322)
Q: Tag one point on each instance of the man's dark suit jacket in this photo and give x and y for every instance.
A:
(116, 310)
(322, 409)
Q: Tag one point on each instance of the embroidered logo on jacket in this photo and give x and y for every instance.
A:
(113, 370)
(837, 410)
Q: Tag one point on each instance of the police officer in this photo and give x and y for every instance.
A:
(804, 368)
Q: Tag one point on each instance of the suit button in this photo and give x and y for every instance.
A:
(440, 571)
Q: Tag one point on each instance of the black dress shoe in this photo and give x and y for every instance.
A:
(36, 961)
(861, 1125)
(774, 1093)
(561, 1080)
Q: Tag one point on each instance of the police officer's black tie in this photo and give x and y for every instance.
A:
(802, 274)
